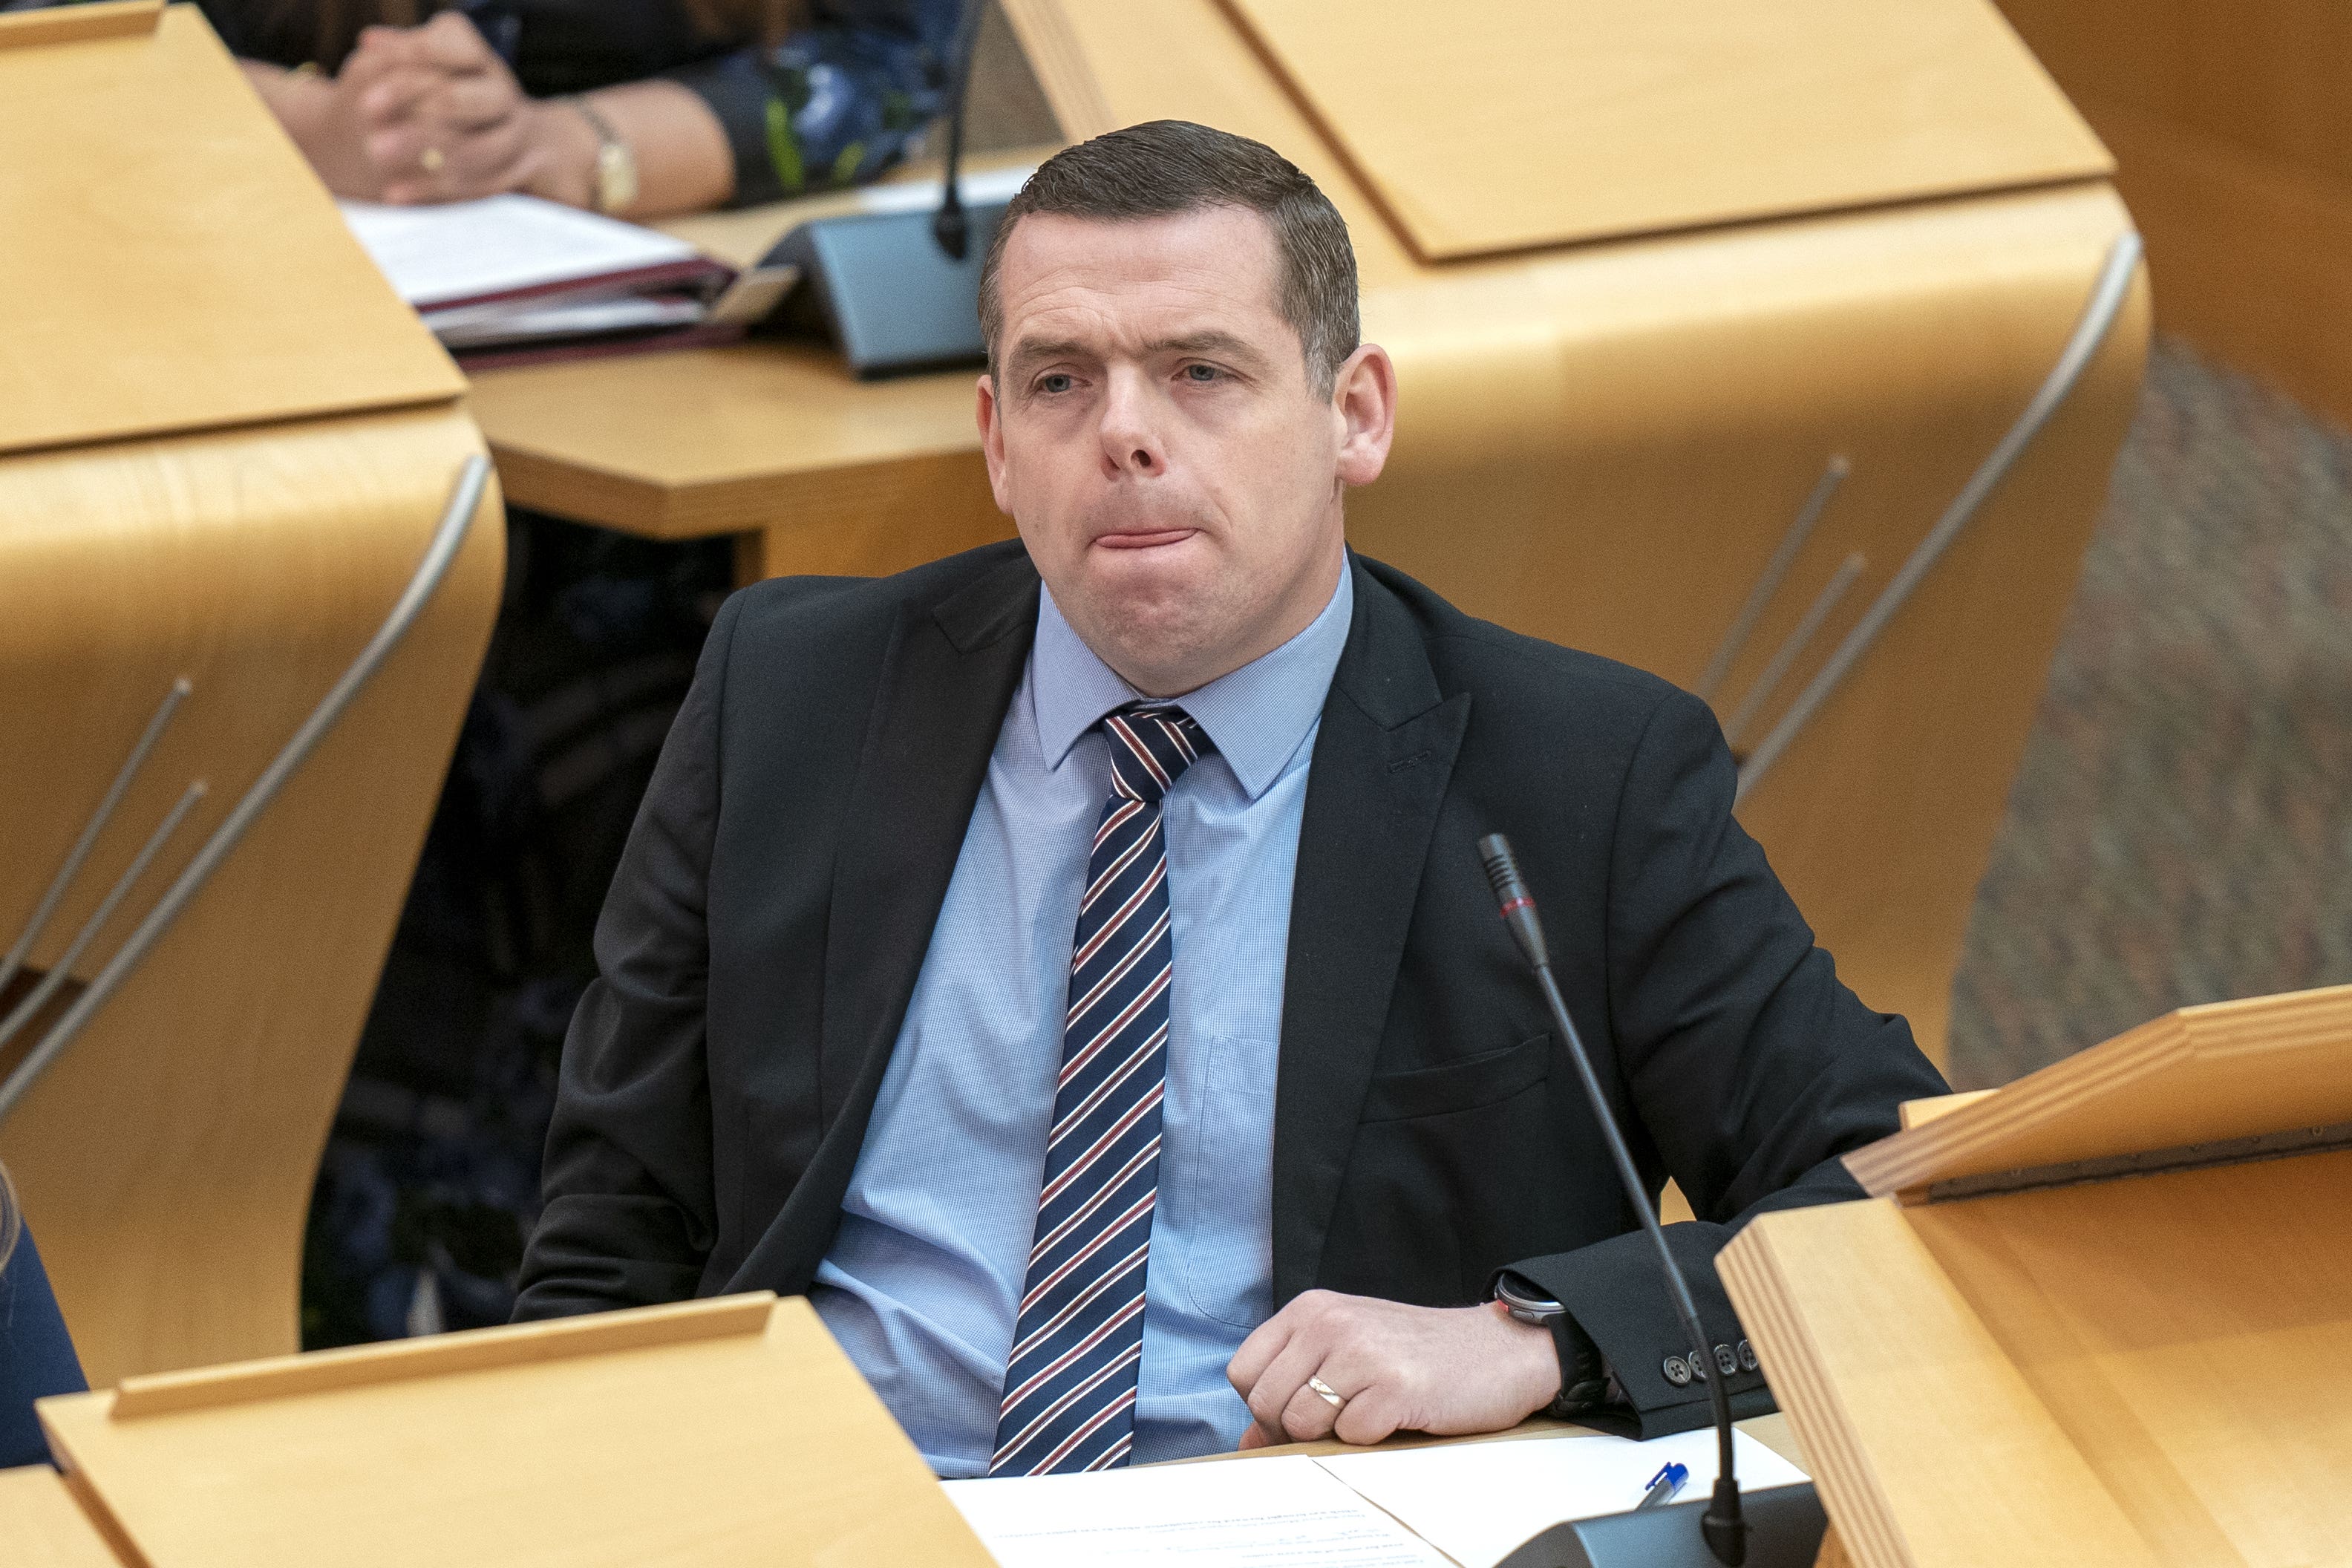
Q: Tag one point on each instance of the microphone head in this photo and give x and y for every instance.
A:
(1501, 868)
(1518, 909)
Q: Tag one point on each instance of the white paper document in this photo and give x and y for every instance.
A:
(1469, 1504)
(1251, 1514)
(1477, 1501)
(464, 250)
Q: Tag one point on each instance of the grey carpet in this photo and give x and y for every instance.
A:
(2181, 829)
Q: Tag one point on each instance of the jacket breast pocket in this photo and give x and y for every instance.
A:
(1487, 1078)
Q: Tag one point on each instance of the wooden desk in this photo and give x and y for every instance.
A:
(774, 442)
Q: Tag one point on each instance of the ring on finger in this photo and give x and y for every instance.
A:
(431, 160)
(1327, 1394)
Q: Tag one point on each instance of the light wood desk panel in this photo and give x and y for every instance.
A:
(166, 1160)
(1565, 121)
(140, 317)
(728, 1433)
(2232, 128)
(41, 1526)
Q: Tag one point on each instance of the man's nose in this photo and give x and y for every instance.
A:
(1129, 430)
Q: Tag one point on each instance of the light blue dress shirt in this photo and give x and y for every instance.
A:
(922, 1285)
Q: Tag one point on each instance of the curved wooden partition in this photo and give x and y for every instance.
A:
(228, 483)
(1619, 390)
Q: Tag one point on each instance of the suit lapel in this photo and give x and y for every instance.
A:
(1383, 758)
(948, 680)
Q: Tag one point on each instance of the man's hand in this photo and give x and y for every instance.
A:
(1397, 1368)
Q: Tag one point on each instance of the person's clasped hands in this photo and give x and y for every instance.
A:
(431, 114)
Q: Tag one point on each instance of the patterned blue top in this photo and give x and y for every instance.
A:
(847, 94)
(923, 1283)
(37, 1359)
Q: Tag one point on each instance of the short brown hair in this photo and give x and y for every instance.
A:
(1169, 167)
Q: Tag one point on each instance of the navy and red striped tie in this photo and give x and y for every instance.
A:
(1069, 1389)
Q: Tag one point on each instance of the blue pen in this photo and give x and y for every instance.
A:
(1664, 1485)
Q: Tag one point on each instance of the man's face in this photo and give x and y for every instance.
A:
(1153, 432)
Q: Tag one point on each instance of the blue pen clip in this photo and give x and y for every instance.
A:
(1670, 1479)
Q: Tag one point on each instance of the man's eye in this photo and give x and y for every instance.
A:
(1055, 382)
(1200, 372)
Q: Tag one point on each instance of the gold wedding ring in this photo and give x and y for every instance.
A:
(431, 160)
(1325, 1393)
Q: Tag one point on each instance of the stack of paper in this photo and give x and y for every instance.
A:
(1467, 1504)
(512, 278)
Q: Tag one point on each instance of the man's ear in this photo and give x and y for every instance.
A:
(1363, 399)
(989, 415)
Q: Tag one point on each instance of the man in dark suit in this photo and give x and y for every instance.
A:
(1069, 963)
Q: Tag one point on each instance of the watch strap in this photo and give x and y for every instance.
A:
(1583, 1372)
(1584, 1381)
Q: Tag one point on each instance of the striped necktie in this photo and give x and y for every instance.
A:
(1069, 1388)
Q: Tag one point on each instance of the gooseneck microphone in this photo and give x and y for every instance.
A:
(1723, 1526)
(948, 226)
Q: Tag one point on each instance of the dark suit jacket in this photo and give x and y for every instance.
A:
(772, 910)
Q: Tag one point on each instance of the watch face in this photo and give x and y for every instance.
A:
(1524, 1305)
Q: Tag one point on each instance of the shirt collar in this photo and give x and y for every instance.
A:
(1257, 715)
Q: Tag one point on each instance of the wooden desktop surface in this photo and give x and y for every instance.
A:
(772, 441)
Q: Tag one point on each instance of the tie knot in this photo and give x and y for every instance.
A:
(1151, 745)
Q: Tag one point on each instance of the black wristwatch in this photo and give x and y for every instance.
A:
(1584, 1376)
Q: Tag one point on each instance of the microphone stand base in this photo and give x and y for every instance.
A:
(1784, 1530)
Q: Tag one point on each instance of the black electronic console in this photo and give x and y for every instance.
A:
(897, 290)
(1784, 1530)
(1782, 1525)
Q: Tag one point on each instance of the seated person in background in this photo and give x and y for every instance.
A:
(37, 1359)
(1070, 963)
(636, 107)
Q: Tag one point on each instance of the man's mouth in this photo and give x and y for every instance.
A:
(1144, 539)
